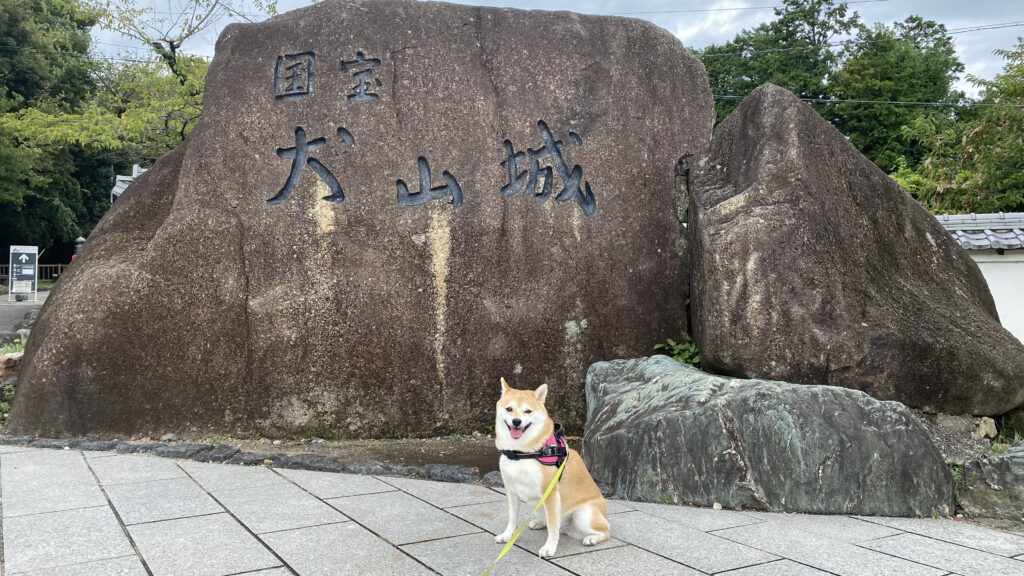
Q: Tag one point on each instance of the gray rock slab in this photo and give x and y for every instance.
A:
(123, 566)
(703, 519)
(824, 553)
(445, 494)
(335, 485)
(55, 539)
(474, 553)
(47, 481)
(624, 561)
(493, 517)
(139, 502)
(341, 550)
(12, 449)
(216, 545)
(833, 527)
(946, 556)
(401, 518)
(962, 533)
(705, 552)
(278, 507)
(123, 468)
(219, 477)
(777, 568)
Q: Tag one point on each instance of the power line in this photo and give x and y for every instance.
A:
(880, 102)
(847, 42)
(686, 11)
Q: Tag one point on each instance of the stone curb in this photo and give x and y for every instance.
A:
(223, 453)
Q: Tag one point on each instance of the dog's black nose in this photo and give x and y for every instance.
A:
(516, 422)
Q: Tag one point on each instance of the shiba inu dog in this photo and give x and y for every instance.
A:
(531, 453)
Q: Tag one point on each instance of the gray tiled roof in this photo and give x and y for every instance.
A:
(1001, 231)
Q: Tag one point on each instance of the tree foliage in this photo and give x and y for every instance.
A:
(977, 165)
(912, 61)
(793, 51)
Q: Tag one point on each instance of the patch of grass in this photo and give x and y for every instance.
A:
(685, 352)
(17, 345)
(958, 477)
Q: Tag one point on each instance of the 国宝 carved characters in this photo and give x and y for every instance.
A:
(386, 206)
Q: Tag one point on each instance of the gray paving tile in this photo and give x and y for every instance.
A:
(127, 468)
(946, 556)
(493, 516)
(620, 506)
(90, 454)
(471, 554)
(625, 561)
(834, 527)
(401, 518)
(341, 550)
(139, 502)
(215, 545)
(777, 568)
(47, 481)
(123, 566)
(824, 553)
(278, 507)
(53, 539)
(11, 449)
(446, 494)
(219, 477)
(271, 572)
(334, 484)
(703, 519)
(962, 533)
(705, 552)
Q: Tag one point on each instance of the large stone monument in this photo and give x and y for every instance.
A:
(811, 265)
(385, 207)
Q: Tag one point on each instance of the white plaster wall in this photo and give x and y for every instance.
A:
(1005, 276)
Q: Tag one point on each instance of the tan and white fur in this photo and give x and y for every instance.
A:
(575, 504)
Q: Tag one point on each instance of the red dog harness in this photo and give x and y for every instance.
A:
(553, 453)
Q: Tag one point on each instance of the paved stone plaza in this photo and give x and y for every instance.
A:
(75, 513)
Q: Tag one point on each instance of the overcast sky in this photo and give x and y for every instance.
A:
(699, 23)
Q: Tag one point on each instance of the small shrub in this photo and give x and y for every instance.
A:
(685, 351)
(958, 476)
(17, 345)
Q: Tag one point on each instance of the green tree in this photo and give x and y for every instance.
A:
(977, 165)
(793, 51)
(912, 61)
(44, 68)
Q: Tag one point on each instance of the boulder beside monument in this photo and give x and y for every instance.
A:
(661, 431)
(385, 207)
(811, 265)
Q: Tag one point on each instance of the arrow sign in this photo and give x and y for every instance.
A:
(22, 279)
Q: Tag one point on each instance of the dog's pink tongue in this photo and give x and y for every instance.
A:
(516, 433)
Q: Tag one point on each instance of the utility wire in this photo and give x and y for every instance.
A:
(881, 102)
(685, 11)
(862, 42)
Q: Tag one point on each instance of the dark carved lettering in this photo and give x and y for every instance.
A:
(526, 181)
(426, 193)
(299, 155)
(361, 90)
(294, 76)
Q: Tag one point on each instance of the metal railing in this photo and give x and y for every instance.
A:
(46, 271)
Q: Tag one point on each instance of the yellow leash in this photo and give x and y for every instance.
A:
(512, 540)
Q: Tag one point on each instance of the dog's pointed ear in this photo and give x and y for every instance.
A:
(541, 393)
(504, 387)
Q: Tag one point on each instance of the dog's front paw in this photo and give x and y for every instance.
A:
(537, 525)
(502, 538)
(547, 551)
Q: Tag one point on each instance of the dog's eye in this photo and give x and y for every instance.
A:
(508, 409)
(527, 411)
